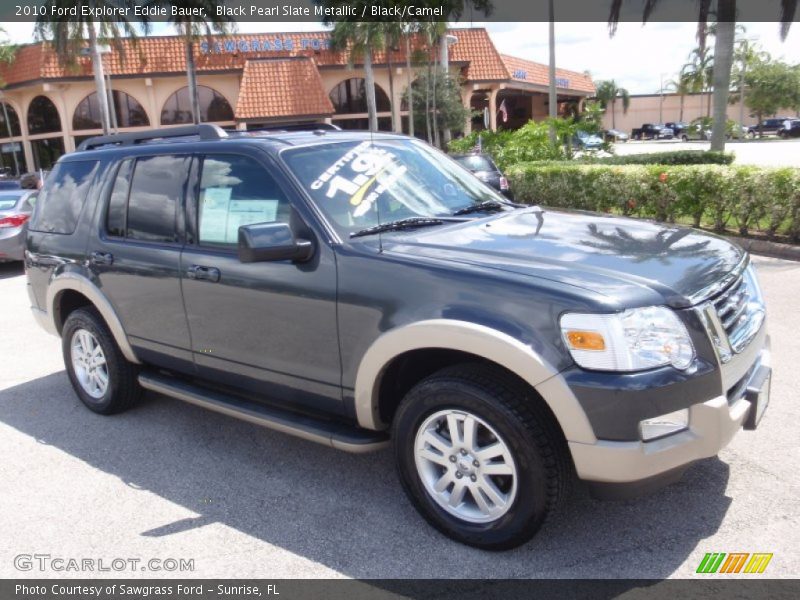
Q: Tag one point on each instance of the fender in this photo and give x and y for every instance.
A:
(79, 283)
(479, 340)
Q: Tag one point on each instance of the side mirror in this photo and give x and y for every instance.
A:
(262, 242)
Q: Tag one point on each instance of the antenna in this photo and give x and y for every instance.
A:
(377, 200)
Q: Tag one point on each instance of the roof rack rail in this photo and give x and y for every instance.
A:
(206, 131)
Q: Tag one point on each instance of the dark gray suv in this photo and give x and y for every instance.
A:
(356, 289)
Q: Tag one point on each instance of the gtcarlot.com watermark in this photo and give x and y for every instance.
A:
(61, 564)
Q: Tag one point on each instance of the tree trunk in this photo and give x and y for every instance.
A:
(99, 79)
(191, 73)
(552, 98)
(444, 60)
(613, 114)
(428, 104)
(11, 137)
(741, 98)
(369, 77)
(680, 118)
(395, 114)
(436, 139)
(723, 60)
(409, 90)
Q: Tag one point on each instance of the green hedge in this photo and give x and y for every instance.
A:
(744, 197)
(679, 157)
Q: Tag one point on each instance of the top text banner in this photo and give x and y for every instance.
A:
(463, 11)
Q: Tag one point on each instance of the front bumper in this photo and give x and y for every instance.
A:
(712, 424)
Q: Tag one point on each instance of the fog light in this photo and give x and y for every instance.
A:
(651, 429)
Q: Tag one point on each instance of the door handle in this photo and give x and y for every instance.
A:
(102, 258)
(206, 273)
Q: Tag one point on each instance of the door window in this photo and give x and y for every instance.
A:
(156, 190)
(236, 191)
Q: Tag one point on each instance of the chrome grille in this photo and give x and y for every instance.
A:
(731, 306)
(735, 316)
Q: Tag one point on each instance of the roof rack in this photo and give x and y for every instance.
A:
(206, 131)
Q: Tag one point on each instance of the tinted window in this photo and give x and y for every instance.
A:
(155, 194)
(476, 163)
(62, 197)
(236, 191)
(118, 201)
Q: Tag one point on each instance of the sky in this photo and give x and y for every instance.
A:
(638, 57)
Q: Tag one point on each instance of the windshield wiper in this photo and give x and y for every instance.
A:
(486, 205)
(398, 225)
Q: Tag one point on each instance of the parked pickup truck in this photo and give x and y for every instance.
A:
(358, 289)
(648, 131)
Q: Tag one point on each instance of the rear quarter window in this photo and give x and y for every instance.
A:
(61, 199)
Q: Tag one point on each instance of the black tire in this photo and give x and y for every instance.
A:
(684, 138)
(544, 468)
(123, 389)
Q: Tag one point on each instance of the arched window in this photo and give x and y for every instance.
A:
(128, 111)
(213, 107)
(350, 97)
(13, 121)
(43, 116)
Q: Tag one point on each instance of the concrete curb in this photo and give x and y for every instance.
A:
(767, 248)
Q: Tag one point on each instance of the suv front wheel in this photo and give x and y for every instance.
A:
(479, 456)
(101, 376)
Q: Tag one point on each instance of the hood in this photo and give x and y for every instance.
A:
(630, 262)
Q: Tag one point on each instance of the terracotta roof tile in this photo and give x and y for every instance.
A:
(475, 47)
(537, 73)
(282, 87)
(166, 54)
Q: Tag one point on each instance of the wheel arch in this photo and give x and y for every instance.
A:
(471, 340)
(64, 294)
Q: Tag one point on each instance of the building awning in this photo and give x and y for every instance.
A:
(290, 87)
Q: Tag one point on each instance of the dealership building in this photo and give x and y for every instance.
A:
(249, 81)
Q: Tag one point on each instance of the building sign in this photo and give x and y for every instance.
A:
(561, 82)
(263, 44)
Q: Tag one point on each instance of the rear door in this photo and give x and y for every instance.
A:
(136, 256)
(267, 327)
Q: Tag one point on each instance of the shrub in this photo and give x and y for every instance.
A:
(720, 193)
(679, 157)
(531, 142)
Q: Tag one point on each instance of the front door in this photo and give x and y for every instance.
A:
(267, 327)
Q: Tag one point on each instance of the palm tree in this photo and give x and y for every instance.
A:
(552, 98)
(68, 35)
(681, 85)
(8, 52)
(746, 55)
(698, 74)
(723, 48)
(607, 93)
(190, 27)
(392, 32)
(408, 30)
(359, 40)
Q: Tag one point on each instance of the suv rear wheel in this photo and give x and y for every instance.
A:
(101, 376)
(479, 457)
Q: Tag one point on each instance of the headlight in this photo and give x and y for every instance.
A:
(633, 340)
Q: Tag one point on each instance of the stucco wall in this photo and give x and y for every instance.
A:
(645, 109)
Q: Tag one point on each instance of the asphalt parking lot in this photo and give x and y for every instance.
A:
(170, 480)
(767, 152)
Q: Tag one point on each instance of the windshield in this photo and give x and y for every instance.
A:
(362, 184)
(476, 163)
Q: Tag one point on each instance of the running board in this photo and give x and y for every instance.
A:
(335, 435)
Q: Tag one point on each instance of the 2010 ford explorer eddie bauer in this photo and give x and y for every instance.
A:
(351, 289)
